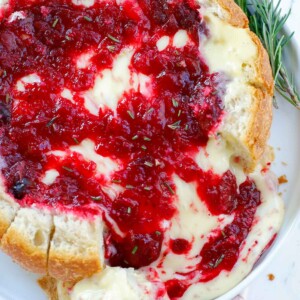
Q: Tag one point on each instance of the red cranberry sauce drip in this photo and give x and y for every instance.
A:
(150, 137)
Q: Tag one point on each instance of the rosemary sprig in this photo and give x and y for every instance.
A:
(267, 22)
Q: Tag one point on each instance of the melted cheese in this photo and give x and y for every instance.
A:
(114, 283)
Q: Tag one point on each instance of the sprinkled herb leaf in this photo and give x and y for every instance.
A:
(186, 127)
(167, 185)
(129, 187)
(217, 262)
(179, 113)
(116, 181)
(175, 102)
(68, 38)
(131, 114)
(96, 198)
(113, 38)
(157, 162)
(157, 232)
(175, 125)
(147, 188)
(147, 139)
(50, 123)
(111, 48)
(135, 137)
(68, 169)
(7, 98)
(148, 164)
(55, 23)
(150, 110)
(89, 19)
(129, 210)
(223, 233)
(144, 147)
(75, 140)
(134, 250)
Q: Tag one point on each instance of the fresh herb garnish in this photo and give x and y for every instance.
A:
(111, 48)
(50, 123)
(129, 187)
(147, 139)
(129, 210)
(113, 38)
(116, 181)
(75, 140)
(54, 23)
(134, 250)
(148, 164)
(67, 169)
(135, 137)
(89, 19)
(131, 114)
(267, 22)
(167, 185)
(157, 232)
(147, 188)
(217, 262)
(68, 38)
(144, 147)
(175, 125)
(96, 198)
(175, 102)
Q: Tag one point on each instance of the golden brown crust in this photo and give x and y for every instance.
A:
(64, 267)
(22, 251)
(261, 111)
(49, 285)
(4, 225)
(236, 16)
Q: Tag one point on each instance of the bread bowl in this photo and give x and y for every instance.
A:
(235, 140)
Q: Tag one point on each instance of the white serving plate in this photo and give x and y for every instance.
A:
(17, 284)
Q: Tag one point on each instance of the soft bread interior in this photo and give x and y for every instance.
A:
(27, 239)
(76, 249)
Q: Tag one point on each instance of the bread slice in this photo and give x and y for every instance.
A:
(76, 249)
(233, 50)
(69, 247)
(27, 239)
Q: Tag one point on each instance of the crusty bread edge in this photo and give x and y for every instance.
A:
(258, 132)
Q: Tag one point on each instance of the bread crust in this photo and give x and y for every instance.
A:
(23, 252)
(68, 267)
(71, 268)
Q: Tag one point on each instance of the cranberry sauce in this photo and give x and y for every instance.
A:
(150, 137)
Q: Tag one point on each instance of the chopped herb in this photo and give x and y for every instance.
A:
(126, 262)
(214, 93)
(166, 184)
(158, 232)
(116, 181)
(7, 98)
(75, 140)
(129, 210)
(111, 48)
(148, 164)
(135, 137)
(223, 233)
(150, 110)
(175, 125)
(55, 23)
(129, 187)
(179, 113)
(217, 262)
(147, 188)
(89, 19)
(67, 169)
(50, 123)
(186, 127)
(96, 198)
(147, 139)
(131, 114)
(4, 73)
(157, 162)
(113, 38)
(175, 102)
(68, 38)
(144, 147)
(134, 250)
